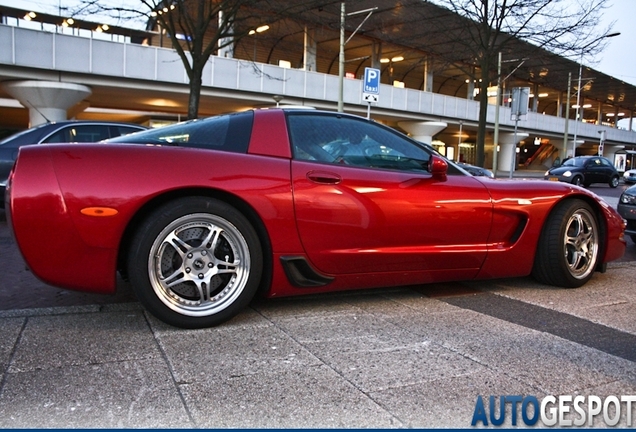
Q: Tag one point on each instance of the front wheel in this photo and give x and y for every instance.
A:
(568, 249)
(577, 180)
(195, 262)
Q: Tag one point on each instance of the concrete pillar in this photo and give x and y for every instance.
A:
(616, 118)
(47, 101)
(570, 151)
(423, 131)
(428, 76)
(470, 92)
(310, 50)
(508, 148)
(376, 55)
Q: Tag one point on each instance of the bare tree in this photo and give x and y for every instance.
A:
(563, 27)
(197, 28)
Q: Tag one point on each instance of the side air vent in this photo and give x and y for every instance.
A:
(518, 231)
(301, 274)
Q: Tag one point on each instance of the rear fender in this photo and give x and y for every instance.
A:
(38, 215)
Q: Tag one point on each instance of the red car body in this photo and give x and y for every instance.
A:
(73, 208)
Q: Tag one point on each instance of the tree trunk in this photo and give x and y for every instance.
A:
(195, 91)
(480, 144)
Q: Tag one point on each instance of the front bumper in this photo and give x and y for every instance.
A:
(558, 178)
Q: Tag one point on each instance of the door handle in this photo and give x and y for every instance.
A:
(324, 177)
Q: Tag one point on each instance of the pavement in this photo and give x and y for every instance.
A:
(391, 358)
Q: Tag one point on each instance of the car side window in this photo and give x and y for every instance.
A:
(79, 133)
(116, 131)
(349, 141)
(230, 132)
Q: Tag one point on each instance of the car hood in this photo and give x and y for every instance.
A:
(630, 190)
(515, 188)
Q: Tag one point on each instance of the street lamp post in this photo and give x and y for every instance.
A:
(578, 105)
(341, 57)
(579, 89)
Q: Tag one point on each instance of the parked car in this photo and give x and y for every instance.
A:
(210, 213)
(629, 176)
(470, 169)
(477, 170)
(585, 170)
(627, 209)
(58, 132)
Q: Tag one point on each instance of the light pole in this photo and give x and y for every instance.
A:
(341, 59)
(341, 56)
(498, 102)
(579, 89)
(495, 138)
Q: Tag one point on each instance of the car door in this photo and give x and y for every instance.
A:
(608, 170)
(365, 202)
(594, 171)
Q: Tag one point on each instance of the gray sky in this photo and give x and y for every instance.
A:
(617, 60)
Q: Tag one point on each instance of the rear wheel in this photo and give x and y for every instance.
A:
(568, 249)
(614, 182)
(195, 262)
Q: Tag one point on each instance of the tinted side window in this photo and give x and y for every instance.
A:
(116, 131)
(351, 141)
(229, 132)
(81, 133)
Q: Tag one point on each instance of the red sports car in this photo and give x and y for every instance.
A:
(208, 213)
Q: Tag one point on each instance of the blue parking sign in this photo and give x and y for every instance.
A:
(372, 80)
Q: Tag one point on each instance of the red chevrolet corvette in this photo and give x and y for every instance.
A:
(203, 215)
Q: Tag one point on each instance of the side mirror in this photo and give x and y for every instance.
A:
(438, 167)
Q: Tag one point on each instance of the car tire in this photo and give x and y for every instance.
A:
(195, 262)
(577, 180)
(568, 250)
(613, 182)
(633, 237)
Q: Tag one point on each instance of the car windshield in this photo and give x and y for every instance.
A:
(574, 162)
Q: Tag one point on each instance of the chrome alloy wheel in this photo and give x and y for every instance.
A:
(581, 243)
(199, 264)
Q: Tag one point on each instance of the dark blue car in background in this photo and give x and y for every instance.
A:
(59, 132)
(585, 170)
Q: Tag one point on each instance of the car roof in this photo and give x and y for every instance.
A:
(37, 133)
